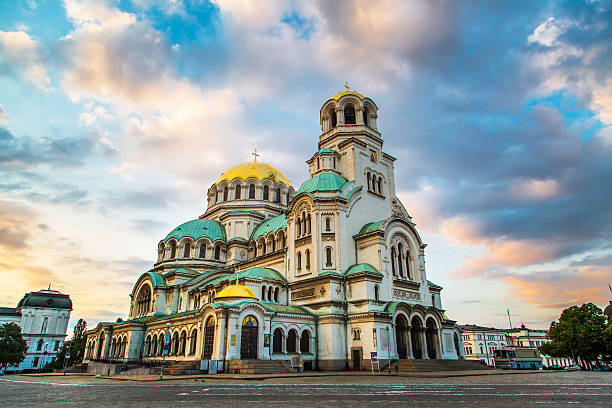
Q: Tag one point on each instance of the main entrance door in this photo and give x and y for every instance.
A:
(401, 336)
(209, 338)
(249, 338)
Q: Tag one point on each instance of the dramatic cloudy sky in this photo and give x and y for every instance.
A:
(116, 116)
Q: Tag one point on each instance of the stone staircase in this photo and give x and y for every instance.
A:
(437, 365)
(258, 367)
(178, 368)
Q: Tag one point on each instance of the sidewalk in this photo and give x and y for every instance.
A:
(259, 377)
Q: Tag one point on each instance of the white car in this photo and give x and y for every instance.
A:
(572, 368)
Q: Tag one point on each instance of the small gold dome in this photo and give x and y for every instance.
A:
(258, 170)
(347, 92)
(236, 291)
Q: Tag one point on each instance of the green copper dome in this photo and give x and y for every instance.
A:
(271, 225)
(198, 228)
(323, 182)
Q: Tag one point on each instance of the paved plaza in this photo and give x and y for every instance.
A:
(508, 390)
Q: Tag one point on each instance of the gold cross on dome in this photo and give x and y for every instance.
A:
(346, 85)
(255, 155)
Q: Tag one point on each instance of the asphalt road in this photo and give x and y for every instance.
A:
(582, 391)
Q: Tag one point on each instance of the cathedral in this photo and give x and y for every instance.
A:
(331, 272)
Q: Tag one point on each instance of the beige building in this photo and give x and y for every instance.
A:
(481, 342)
(523, 337)
(330, 272)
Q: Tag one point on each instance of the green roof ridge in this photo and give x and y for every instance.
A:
(362, 268)
(270, 225)
(323, 182)
(200, 227)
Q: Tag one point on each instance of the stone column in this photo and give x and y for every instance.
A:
(410, 354)
(424, 339)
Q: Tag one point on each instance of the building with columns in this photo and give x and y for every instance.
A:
(43, 317)
(331, 272)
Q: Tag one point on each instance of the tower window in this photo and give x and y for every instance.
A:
(237, 193)
(327, 224)
(187, 252)
(307, 259)
(202, 250)
(225, 194)
(217, 253)
(277, 194)
(328, 257)
(349, 115)
(369, 181)
(266, 193)
(252, 192)
(365, 116)
(173, 250)
(376, 292)
(318, 163)
(299, 260)
(334, 120)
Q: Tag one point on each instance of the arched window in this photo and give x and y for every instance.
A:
(334, 162)
(308, 224)
(183, 342)
(154, 346)
(299, 260)
(273, 244)
(327, 224)
(172, 250)
(292, 341)
(305, 342)
(43, 329)
(376, 292)
(380, 185)
(334, 119)
(365, 116)
(264, 292)
(266, 193)
(193, 342)
(307, 254)
(318, 163)
(238, 192)
(147, 346)
(218, 252)
(270, 293)
(277, 341)
(276, 294)
(187, 252)
(252, 192)
(399, 260)
(408, 265)
(349, 115)
(263, 247)
(369, 176)
(202, 250)
(143, 300)
(328, 257)
(225, 194)
(299, 227)
(175, 343)
(39, 345)
(277, 195)
(393, 261)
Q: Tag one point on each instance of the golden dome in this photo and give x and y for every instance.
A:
(258, 170)
(236, 291)
(347, 92)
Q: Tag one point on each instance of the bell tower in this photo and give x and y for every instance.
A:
(350, 144)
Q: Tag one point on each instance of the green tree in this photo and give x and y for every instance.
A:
(77, 343)
(579, 334)
(12, 346)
